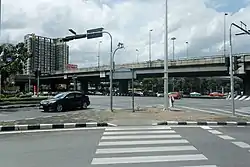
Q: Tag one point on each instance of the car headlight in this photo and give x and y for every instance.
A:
(42, 102)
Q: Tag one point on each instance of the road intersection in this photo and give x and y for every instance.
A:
(215, 106)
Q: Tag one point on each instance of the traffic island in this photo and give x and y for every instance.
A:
(174, 116)
(123, 117)
(80, 116)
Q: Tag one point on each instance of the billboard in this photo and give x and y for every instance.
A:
(72, 67)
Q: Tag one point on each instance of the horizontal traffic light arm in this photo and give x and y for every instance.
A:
(73, 37)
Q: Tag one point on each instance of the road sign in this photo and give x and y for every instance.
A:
(124, 74)
(94, 33)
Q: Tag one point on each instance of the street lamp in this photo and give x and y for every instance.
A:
(72, 31)
(98, 55)
(187, 49)
(137, 55)
(245, 31)
(149, 51)
(225, 34)
(173, 39)
(166, 102)
(119, 46)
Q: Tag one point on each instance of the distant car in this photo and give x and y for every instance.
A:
(160, 94)
(216, 94)
(65, 101)
(195, 94)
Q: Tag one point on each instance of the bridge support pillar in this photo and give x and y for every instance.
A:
(123, 86)
(84, 86)
(22, 87)
(246, 84)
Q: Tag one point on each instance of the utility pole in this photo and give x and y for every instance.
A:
(173, 39)
(150, 50)
(187, 49)
(225, 14)
(98, 55)
(245, 31)
(137, 56)
(166, 102)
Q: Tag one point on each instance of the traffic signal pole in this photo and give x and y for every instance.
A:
(96, 33)
(231, 61)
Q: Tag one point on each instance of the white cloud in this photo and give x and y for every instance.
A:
(129, 21)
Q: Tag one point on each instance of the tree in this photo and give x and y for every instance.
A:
(13, 59)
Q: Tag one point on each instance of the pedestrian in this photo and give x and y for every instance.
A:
(172, 100)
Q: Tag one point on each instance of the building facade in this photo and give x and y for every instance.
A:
(46, 54)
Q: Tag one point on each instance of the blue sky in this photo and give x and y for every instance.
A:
(231, 6)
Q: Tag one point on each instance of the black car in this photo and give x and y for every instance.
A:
(65, 101)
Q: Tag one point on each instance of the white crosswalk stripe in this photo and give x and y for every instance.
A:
(132, 145)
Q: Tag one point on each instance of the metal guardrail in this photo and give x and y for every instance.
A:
(218, 59)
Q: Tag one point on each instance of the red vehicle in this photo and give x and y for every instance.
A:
(217, 94)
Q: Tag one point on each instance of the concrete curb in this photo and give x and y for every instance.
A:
(202, 123)
(19, 106)
(53, 126)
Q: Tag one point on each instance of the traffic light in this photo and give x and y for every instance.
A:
(72, 37)
(227, 61)
(236, 62)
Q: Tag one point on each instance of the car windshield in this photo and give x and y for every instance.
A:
(59, 96)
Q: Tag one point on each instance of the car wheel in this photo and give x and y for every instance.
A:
(59, 108)
(84, 105)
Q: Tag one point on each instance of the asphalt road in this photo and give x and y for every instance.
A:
(129, 147)
(219, 106)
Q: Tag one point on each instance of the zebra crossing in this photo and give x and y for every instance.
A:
(239, 97)
(139, 145)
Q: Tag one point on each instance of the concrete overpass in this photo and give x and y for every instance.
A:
(197, 67)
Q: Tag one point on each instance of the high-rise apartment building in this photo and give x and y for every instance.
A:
(62, 56)
(47, 54)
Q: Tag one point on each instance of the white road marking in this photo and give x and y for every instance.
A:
(215, 132)
(140, 137)
(220, 110)
(241, 144)
(110, 124)
(147, 159)
(202, 166)
(206, 111)
(137, 128)
(144, 149)
(206, 127)
(226, 137)
(230, 112)
(138, 132)
(119, 143)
